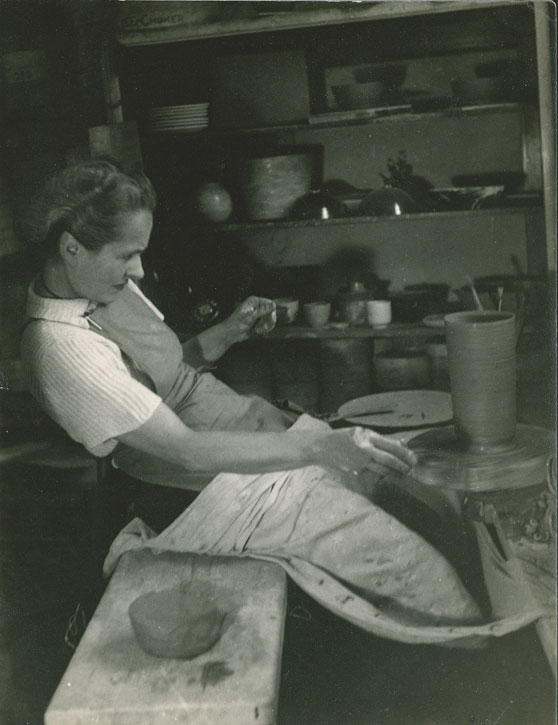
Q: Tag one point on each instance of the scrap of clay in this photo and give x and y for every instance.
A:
(176, 623)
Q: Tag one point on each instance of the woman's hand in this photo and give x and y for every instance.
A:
(358, 449)
(255, 316)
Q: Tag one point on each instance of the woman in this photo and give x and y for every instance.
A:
(107, 369)
(103, 364)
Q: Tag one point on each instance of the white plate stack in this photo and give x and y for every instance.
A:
(189, 118)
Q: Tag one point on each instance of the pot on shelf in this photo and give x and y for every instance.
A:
(387, 201)
(269, 185)
(352, 304)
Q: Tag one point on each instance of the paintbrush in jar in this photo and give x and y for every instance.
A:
(478, 303)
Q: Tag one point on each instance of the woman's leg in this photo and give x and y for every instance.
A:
(318, 519)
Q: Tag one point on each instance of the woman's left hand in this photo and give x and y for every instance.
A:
(255, 316)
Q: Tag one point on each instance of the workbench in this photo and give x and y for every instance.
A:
(112, 680)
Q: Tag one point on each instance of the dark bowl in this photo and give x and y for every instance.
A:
(318, 205)
(387, 201)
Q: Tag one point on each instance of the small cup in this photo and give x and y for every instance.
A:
(287, 310)
(317, 313)
(378, 313)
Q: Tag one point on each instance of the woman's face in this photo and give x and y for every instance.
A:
(100, 275)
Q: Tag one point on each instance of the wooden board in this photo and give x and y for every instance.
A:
(112, 680)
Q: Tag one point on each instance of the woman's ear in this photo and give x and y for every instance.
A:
(69, 247)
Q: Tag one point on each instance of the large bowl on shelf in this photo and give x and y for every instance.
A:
(387, 201)
(269, 185)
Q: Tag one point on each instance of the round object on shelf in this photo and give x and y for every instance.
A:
(269, 185)
(317, 313)
(318, 205)
(387, 201)
(352, 304)
(213, 202)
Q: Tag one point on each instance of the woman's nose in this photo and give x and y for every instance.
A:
(135, 268)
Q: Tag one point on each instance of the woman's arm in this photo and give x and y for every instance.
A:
(255, 315)
(352, 449)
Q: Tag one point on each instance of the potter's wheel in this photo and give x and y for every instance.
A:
(444, 462)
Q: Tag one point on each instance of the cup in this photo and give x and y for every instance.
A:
(287, 309)
(317, 313)
(378, 313)
(482, 368)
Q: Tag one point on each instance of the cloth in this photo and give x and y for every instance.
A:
(340, 548)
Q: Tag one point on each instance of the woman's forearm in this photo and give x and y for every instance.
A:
(256, 315)
(208, 346)
(165, 436)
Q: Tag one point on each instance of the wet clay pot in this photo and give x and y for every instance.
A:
(482, 366)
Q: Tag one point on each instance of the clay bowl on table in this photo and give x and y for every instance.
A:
(176, 623)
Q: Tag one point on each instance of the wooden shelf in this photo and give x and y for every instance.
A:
(152, 28)
(350, 220)
(396, 330)
(335, 119)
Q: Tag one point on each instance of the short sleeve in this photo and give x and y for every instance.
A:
(84, 385)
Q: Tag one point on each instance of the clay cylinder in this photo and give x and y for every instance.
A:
(482, 367)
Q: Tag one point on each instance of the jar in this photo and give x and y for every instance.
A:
(352, 304)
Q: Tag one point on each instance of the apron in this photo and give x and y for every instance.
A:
(339, 547)
(199, 399)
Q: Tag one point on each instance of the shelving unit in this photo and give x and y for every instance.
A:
(165, 54)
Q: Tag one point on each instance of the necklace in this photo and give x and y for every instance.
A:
(50, 292)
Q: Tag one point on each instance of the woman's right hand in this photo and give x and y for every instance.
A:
(358, 449)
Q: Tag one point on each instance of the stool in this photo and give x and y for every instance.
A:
(111, 680)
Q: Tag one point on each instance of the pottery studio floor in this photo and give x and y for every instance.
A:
(332, 674)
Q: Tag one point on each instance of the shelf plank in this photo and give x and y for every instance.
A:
(459, 216)
(358, 117)
(301, 332)
(145, 30)
(330, 332)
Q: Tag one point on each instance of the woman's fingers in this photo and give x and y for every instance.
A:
(391, 454)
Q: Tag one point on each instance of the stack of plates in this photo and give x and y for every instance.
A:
(184, 119)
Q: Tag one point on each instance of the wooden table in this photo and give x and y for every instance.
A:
(111, 680)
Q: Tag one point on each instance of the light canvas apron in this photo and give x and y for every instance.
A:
(200, 400)
(346, 552)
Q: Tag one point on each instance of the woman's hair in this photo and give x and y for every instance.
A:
(88, 200)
